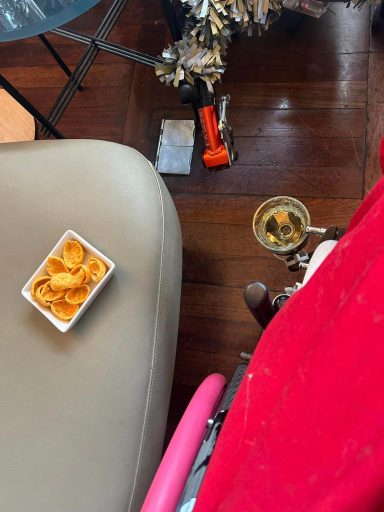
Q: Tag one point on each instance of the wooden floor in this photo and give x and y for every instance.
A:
(307, 110)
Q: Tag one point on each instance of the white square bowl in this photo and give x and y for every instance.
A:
(96, 288)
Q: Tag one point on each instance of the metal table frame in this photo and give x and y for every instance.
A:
(94, 44)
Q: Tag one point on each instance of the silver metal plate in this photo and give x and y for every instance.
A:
(174, 152)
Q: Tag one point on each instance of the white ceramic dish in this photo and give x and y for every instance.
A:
(96, 288)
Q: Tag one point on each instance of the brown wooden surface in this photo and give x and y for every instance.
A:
(16, 124)
(308, 112)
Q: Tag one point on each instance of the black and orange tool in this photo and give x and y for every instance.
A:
(219, 152)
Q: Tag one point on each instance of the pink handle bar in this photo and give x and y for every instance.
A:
(176, 464)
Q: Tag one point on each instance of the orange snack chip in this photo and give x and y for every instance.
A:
(62, 281)
(67, 285)
(73, 253)
(87, 272)
(50, 295)
(97, 268)
(37, 282)
(77, 295)
(56, 265)
(63, 310)
(40, 299)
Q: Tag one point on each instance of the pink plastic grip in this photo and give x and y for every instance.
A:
(176, 464)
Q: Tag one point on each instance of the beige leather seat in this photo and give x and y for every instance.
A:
(82, 414)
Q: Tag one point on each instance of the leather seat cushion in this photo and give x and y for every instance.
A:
(83, 413)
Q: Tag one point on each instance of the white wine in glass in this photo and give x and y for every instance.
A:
(280, 225)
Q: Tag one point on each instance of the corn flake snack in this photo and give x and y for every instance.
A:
(56, 265)
(39, 281)
(63, 281)
(63, 310)
(40, 299)
(73, 253)
(77, 295)
(97, 268)
(66, 287)
(87, 272)
(49, 295)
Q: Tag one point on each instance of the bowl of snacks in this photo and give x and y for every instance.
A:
(68, 280)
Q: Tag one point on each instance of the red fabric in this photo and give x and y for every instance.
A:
(382, 155)
(306, 430)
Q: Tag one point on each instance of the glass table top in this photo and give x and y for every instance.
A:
(26, 18)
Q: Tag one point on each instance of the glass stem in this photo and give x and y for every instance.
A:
(315, 231)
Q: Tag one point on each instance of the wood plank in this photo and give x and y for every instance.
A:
(214, 303)
(288, 95)
(340, 30)
(96, 112)
(100, 75)
(375, 79)
(146, 94)
(221, 239)
(214, 229)
(375, 132)
(93, 113)
(271, 180)
(16, 124)
(192, 367)
(287, 65)
(211, 335)
(31, 52)
(299, 152)
(142, 27)
(375, 125)
(256, 122)
(100, 113)
(234, 210)
(237, 271)
(235, 240)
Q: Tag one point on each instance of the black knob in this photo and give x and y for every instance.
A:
(188, 93)
(256, 296)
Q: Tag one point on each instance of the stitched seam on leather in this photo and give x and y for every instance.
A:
(154, 351)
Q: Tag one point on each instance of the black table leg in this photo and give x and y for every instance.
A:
(30, 108)
(170, 16)
(86, 62)
(57, 57)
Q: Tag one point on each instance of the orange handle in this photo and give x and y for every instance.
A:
(209, 125)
